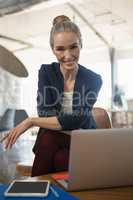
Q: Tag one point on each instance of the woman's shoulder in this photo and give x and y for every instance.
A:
(50, 72)
(46, 68)
(90, 79)
(89, 74)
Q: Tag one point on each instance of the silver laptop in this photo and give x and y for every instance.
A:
(100, 158)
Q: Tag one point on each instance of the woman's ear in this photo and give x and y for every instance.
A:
(81, 45)
(53, 50)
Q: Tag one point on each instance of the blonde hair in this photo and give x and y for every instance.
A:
(61, 24)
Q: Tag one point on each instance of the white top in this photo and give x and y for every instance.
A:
(67, 102)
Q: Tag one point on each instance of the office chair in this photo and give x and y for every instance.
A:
(20, 115)
(7, 120)
(11, 118)
(102, 120)
(101, 117)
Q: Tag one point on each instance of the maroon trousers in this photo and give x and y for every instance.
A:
(52, 153)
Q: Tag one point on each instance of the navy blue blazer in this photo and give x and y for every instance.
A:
(50, 93)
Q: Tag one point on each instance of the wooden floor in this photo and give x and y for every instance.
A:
(21, 151)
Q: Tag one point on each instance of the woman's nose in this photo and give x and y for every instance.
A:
(67, 54)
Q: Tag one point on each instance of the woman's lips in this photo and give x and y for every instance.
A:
(69, 62)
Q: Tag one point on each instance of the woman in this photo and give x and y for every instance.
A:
(67, 92)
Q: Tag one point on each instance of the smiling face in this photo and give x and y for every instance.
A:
(67, 49)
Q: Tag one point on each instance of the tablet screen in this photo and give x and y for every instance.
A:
(28, 188)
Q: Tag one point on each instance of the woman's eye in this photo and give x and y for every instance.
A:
(60, 49)
(74, 47)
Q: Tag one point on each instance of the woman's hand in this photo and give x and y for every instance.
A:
(14, 133)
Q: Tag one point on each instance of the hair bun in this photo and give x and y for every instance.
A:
(60, 19)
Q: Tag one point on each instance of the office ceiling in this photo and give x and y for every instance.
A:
(103, 23)
(12, 6)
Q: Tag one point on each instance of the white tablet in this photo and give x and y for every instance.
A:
(28, 188)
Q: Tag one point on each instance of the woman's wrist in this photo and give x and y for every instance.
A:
(29, 121)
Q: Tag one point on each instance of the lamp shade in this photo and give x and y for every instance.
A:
(10, 63)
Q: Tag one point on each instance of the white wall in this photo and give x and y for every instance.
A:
(9, 91)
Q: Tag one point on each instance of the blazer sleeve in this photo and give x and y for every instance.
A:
(45, 107)
(83, 116)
